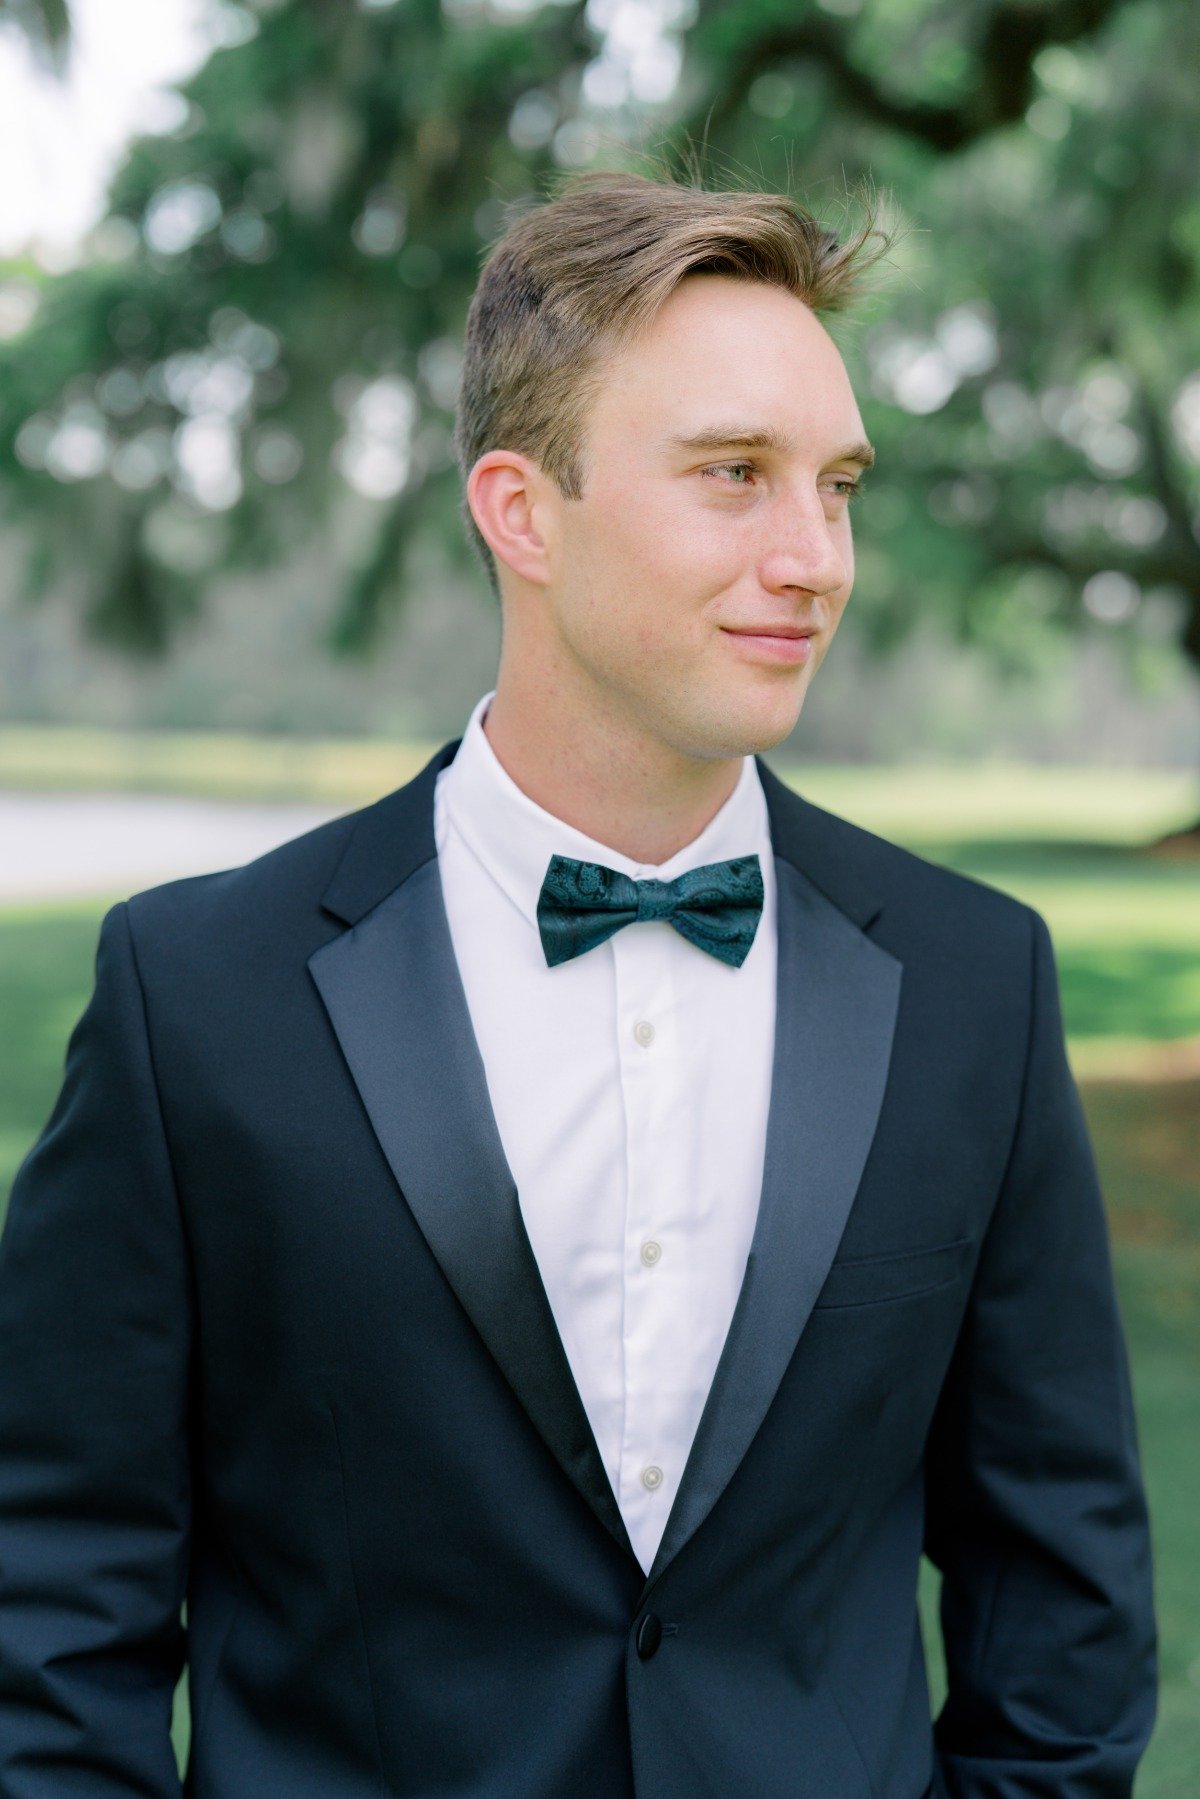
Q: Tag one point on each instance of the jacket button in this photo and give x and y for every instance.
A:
(649, 1636)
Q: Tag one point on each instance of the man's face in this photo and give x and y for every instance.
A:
(675, 552)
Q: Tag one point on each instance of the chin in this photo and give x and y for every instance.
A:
(771, 717)
(742, 728)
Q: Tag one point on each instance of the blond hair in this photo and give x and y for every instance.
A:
(577, 278)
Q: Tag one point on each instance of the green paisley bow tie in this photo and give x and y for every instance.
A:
(716, 907)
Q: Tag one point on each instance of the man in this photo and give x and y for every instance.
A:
(534, 1262)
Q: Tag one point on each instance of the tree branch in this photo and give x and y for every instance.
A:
(1014, 34)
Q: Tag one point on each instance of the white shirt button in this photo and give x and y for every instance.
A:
(652, 1478)
(643, 1032)
(651, 1252)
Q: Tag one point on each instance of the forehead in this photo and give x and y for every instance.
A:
(722, 347)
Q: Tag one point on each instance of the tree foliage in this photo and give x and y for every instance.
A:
(45, 23)
(263, 346)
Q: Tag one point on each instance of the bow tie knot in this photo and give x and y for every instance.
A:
(654, 899)
(717, 907)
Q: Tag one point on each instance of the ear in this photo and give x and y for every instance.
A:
(511, 502)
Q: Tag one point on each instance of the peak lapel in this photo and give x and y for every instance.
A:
(837, 997)
(394, 996)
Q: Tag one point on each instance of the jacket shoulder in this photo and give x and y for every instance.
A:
(280, 893)
(289, 877)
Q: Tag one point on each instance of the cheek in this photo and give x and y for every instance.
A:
(633, 625)
(663, 534)
(670, 551)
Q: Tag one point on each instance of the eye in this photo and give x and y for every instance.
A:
(845, 486)
(720, 467)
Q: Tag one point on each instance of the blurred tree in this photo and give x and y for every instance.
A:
(45, 23)
(280, 285)
(1053, 360)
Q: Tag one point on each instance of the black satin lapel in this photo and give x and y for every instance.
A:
(837, 996)
(395, 998)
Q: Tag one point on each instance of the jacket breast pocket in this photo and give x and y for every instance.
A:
(870, 1280)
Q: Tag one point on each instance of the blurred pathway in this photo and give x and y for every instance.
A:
(59, 845)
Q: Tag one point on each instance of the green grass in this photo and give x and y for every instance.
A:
(1005, 803)
(1127, 933)
(46, 963)
(217, 764)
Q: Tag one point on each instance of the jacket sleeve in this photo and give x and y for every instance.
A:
(95, 1327)
(1035, 1511)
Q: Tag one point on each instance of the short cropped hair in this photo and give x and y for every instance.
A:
(577, 277)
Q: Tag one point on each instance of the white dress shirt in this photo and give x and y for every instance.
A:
(630, 1089)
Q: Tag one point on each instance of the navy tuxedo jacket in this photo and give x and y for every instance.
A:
(273, 1341)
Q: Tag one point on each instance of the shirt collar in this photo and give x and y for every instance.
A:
(514, 838)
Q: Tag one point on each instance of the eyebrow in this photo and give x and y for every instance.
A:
(764, 437)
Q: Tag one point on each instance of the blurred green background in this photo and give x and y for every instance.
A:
(231, 566)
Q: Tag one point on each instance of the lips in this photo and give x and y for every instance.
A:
(771, 630)
(788, 644)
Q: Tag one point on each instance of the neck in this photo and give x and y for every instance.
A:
(598, 773)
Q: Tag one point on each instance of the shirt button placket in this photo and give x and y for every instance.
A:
(644, 988)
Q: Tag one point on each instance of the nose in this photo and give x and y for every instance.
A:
(805, 553)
